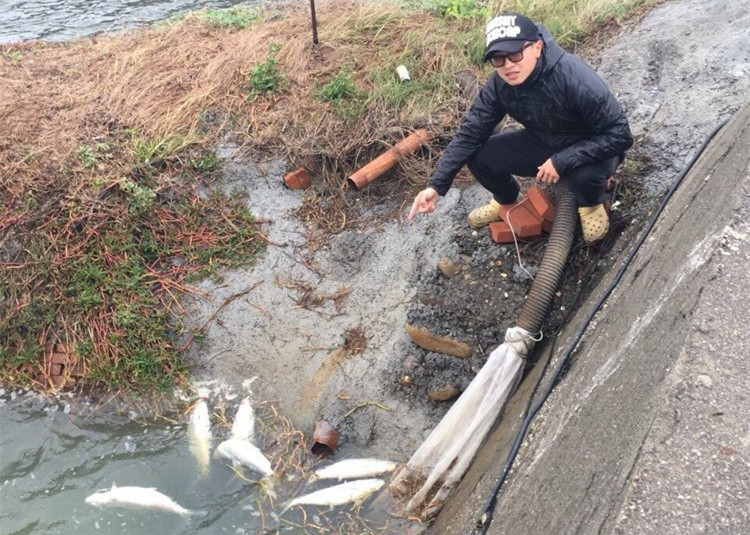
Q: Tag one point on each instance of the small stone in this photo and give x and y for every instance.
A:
(448, 268)
(443, 392)
(410, 363)
(524, 273)
(406, 380)
(705, 380)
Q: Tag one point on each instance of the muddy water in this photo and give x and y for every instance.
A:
(50, 460)
(59, 20)
(53, 454)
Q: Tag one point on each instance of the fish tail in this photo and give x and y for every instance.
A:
(267, 484)
(194, 513)
(288, 505)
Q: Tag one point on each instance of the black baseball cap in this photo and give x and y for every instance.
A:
(507, 33)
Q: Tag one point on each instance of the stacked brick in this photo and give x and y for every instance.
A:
(527, 219)
(61, 364)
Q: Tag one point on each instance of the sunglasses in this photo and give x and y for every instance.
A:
(498, 60)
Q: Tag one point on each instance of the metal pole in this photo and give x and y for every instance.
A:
(314, 22)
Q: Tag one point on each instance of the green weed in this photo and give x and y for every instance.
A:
(12, 55)
(341, 87)
(238, 18)
(461, 9)
(140, 198)
(265, 77)
(342, 93)
(206, 163)
(145, 150)
(86, 155)
(91, 157)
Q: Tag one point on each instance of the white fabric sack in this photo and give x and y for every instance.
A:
(448, 451)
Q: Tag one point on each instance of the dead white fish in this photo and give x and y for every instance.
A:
(244, 453)
(243, 427)
(199, 435)
(353, 491)
(136, 498)
(354, 468)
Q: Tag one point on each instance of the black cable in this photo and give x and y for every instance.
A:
(485, 520)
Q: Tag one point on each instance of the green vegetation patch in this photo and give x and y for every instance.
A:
(236, 18)
(344, 95)
(462, 9)
(106, 273)
(12, 55)
(265, 77)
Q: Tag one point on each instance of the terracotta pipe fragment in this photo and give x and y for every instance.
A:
(325, 439)
(388, 159)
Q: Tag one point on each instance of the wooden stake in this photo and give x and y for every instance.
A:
(314, 22)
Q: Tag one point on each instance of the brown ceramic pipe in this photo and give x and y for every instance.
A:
(388, 159)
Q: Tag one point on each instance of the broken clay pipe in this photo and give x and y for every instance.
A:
(388, 159)
(325, 439)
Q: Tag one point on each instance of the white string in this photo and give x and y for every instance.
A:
(536, 340)
(515, 241)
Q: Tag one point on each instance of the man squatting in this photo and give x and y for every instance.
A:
(574, 128)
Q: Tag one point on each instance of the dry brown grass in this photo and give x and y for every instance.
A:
(160, 82)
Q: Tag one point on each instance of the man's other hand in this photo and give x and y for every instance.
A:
(547, 172)
(424, 202)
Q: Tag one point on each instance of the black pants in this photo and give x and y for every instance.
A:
(521, 153)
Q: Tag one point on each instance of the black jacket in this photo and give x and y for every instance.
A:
(563, 102)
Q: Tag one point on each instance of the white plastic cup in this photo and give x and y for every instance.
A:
(403, 73)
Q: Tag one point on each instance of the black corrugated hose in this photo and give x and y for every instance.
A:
(531, 318)
(535, 308)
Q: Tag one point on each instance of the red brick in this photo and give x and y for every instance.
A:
(297, 179)
(58, 358)
(57, 380)
(500, 232)
(547, 226)
(542, 203)
(524, 220)
(56, 369)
